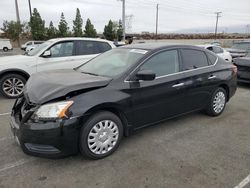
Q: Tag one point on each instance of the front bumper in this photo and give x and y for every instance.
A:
(52, 139)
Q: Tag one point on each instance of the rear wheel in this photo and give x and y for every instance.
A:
(12, 85)
(217, 102)
(5, 49)
(101, 135)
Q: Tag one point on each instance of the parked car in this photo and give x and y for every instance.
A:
(5, 45)
(31, 47)
(31, 44)
(219, 51)
(240, 49)
(93, 106)
(243, 65)
(65, 53)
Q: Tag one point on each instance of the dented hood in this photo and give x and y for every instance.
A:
(45, 86)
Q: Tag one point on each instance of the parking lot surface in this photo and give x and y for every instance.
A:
(189, 151)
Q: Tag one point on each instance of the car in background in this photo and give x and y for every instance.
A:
(243, 65)
(89, 109)
(5, 45)
(31, 45)
(59, 53)
(240, 49)
(224, 54)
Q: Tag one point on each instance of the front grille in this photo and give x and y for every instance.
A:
(23, 109)
(243, 68)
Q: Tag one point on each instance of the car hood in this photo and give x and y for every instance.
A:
(234, 50)
(46, 86)
(8, 60)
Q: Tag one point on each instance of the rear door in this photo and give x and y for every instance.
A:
(86, 50)
(201, 76)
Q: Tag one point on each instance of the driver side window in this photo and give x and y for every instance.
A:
(62, 49)
(163, 63)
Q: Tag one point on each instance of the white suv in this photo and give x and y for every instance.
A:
(5, 45)
(62, 53)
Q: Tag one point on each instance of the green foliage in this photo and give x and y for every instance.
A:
(119, 31)
(51, 31)
(63, 27)
(37, 26)
(110, 31)
(12, 29)
(77, 24)
(89, 29)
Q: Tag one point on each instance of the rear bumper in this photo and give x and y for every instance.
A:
(50, 140)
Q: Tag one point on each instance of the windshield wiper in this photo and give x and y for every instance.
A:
(90, 73)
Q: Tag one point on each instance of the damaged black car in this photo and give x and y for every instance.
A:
(89, 109)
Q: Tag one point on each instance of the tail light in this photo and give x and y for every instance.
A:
(234, 68)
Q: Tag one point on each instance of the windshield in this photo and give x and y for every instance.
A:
(113, 62)
(242, 46)
(37, 50)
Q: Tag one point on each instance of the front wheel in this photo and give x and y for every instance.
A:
(12, 85)
(101, 135)
(217, 102)
(5, 49)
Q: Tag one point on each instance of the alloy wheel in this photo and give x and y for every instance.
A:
(13, 87)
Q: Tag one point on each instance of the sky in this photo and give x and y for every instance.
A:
(174, 15)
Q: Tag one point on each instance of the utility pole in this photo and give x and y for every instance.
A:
(18, 19)
(156, 24)
(30, 9)
(123, 20)
(216, 26)
(17, 12)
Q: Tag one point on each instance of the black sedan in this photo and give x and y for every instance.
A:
(243, 65)
(89, 109)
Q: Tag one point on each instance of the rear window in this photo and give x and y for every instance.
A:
(193, 59)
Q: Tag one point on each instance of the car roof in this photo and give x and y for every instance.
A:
(158, 45)
(78, 38)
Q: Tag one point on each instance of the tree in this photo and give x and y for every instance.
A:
(13, 29)
(110, 31)
(77, 24)
(63, 27)
(119, 31)
(51, 31)
(89, 29)
(37, 26)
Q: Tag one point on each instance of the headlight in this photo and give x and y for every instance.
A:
(53, 110)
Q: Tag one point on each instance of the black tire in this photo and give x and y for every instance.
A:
(5, 49)
(10, 76)
(87, 127)
(210, 110)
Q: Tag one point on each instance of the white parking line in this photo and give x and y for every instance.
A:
(5, 114)
(16, 164)
(244, 182)
(6, 138)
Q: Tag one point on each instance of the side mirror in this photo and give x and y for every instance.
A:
(47, 53)
(145, 75)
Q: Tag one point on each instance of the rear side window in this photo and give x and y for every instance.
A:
(193, 59)
(163, 63)
(217, 50)
(91, 47)
(211, 58)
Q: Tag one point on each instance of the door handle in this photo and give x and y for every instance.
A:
(178, 85)
(211, 77)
